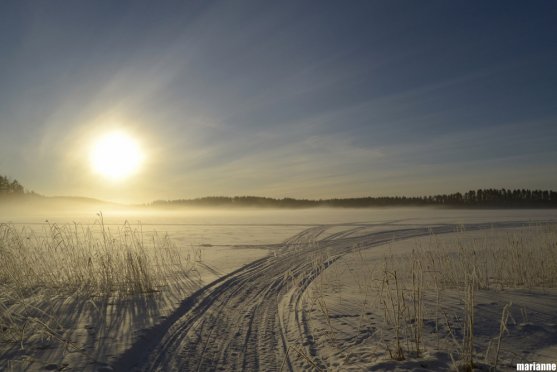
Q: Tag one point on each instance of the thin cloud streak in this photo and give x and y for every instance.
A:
(282, 99)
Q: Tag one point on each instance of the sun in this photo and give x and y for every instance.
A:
(116, 156)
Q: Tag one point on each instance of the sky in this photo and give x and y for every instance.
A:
(305, 99)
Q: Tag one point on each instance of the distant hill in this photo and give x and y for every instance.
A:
(13, 193)
(77, 199)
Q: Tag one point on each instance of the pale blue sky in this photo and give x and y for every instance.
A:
(287, 98)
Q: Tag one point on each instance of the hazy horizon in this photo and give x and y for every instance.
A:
(309, 198)
(133, 102)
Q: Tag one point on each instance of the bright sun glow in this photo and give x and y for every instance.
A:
(116, 156)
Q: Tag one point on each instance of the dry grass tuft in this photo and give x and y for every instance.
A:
(94, 260)
(72, 260)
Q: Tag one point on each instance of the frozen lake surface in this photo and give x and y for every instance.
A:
(267, 226)
(253, 286)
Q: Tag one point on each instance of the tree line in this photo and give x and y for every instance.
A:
(8, 187)
(500, 198)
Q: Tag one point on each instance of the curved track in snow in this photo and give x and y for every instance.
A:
(247, 320)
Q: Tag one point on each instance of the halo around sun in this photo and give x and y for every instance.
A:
(116, 156)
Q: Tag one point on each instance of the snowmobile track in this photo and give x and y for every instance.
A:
(238, 321)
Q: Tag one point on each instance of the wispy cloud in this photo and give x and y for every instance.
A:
(285, 99)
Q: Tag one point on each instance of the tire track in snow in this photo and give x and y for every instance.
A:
(247, 319)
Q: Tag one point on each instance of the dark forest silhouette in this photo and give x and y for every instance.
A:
(499, 198)
(496, 198)
(8, 187)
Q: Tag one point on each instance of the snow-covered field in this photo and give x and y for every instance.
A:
(292, 290)
(353, 310)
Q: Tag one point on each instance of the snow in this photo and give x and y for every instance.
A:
(255, 303)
